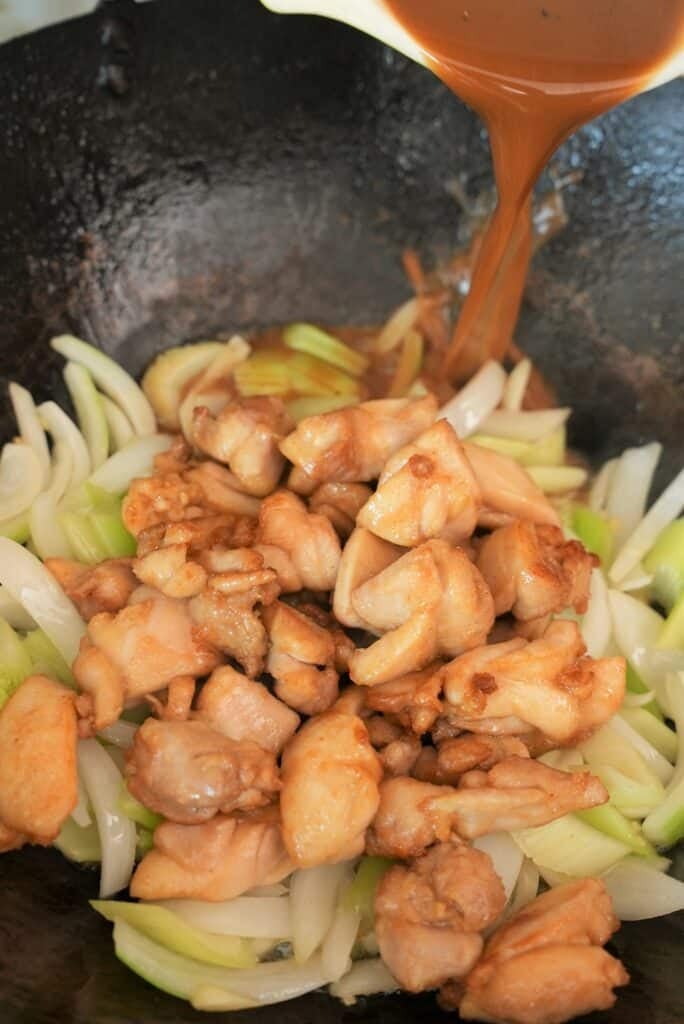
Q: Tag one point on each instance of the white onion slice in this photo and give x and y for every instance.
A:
(366, 978)
(558, 479)
(505, 855)
(14, 613)
(516, 386)
(62, 470)
(21, 479)
(253, 917)
(120, 429)
(629, 487)
(30, 427)
(525, 426)
(636, 629)
(638, 891)
(120, 734)
(47, 535)
(339, 942)
(526, 887)
(402, 320)
(600, 486)
(597, 624)
(62, 428)
(28, 581)
(112, 379)
(89, 411)
(313, 897)
(467, 410)
(637, 579)
(80, 813)
(135, 460)
(653, 758)
(661, 514)
(102, 780)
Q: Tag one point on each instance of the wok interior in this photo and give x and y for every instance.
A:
(176, 170)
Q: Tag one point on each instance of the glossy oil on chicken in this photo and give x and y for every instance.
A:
(310, 625)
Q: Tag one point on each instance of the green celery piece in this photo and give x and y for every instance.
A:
(111, 532)
(144, 841)
(607, 819)
(83, 539)
(672, 634)
(16, 529)
(594, 530)
(635, 684)
(136, 811)
(46, 658)
(664, 826)
(653, 730)
(360, 894)
(15, 664)
(547, 451)
(666, 561)
(81, 845)
(316, 342)
(172, 932)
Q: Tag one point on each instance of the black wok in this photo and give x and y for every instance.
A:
(178, 169)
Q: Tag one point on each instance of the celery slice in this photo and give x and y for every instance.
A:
(81, 845)
(607, 819)
(136, 811)
(15, 664)
(301, 408)
(144, 842)
(175, 934)
(666, 561)
(316, 342)
(635, 684)
(558, 479)
(83, 538)
(653, 729)
(360, 894)
(112, 534)
(408, 365)
(46, 658)
(594, 530)
(571, 847)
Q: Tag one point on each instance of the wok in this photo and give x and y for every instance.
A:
(181, 169)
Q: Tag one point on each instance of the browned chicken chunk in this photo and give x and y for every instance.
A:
(243, 709)
(330, 777)
(215, 861)
(200, 534)
(301, 546)
(168, 570)
(426, 489)
(188, 772)
(352, 445)
(340, 503)
(508, 492)
(429, 915)
(105, 587)
(38, 776)
(301, 659)
(456, 755)
(532, 571)
(546, 965)
(245, 436)
(413, 700)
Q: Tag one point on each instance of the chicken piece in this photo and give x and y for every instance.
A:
(398, 750)
(200, 534)
(364, 556)
(221, 490)
(352, 700)
(180, 694)
(307, 539)
(245, 436)
(516, 793)
(548, 684)
(330, 777)
(429, 915)
(432, 600)
(340, 503)
(343, 644)
(188, 772)
(352, 445)
(300, 659)
(545, 965)
(105, 587)
(168, 570)
(215, 861)
(226, 612)
(242, 709)
(413, 699)
(38, 776)
(163, 498)
(532, 571)
(455, 756)
(426, 490)
(508, 492)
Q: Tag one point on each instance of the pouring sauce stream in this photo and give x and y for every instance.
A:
(535, 70)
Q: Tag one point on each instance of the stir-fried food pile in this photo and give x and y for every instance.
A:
(351, 686)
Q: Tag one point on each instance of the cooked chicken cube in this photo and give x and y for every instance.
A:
(243, 709)
(508, 492)
(426, 489)
(169, 571)
(516, 793)
(307, 540)
(164, 498)
(352, 445)
(300, 658)
(429, 915)
(340, 503)
(221, 490)
(38, 776)
(180, 694)
(330, 776)
(364, 556)
(457, 755)
(545, 965)
(245, 436)
(413, 699)
(188, 772)
(548, 684)
(200, 534)
(215, 861)
(105, 587)
(135, 652)
(397, 749)
(433, 601)
(532, 571)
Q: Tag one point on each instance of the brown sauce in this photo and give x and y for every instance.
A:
(535, 70)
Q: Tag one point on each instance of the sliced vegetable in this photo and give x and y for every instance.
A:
(102, 780)
(639, 890)
(629, 487)
(671, 636)
(516, 386)
(316, 342)
(360, 894)
(137, 812)
(607, 819)
(258, 917)
(666, 561)
(168, 376)
(668, 506)
(144, 841)
(571, 847)
(652, 729)
(89, 411)
(634, 786)
(651, 755)
(313, 898)
(15, 664)
(81, 845)
(300, 408)
(468, 409)
(281, 372)
(548, 451)
(558, 479)
(636, 629)
(366, 978)
(112, 379)
(402, 320)
(82, 538)
(36, 589)
(30, 428)
(506, 856)
(172, 932)
(46, 658)
(113, 536)
(17, 528)
(120, 734)
(525, 426)
(594, 530)
(21, 479)
(597, 625)
(49, 539)
(664, 826)
(14, 613)
(339, 942)
(118, 424)
(213, 386)
(135, 460)
(526, 887)
(63, 429)
(599, 489)
(408, 365)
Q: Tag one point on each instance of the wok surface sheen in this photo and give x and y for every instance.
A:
(179, 169)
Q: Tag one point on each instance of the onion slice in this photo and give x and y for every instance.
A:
(118, 423)
(639, 891)
(629, 487)
(516, 386)
(467, 410)
(21, 479)
(135, 460)
(661, 513)
(47, 535)
(62, 428)
(524, 426)
(30, 427)
(102, 780)
(89, 411)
